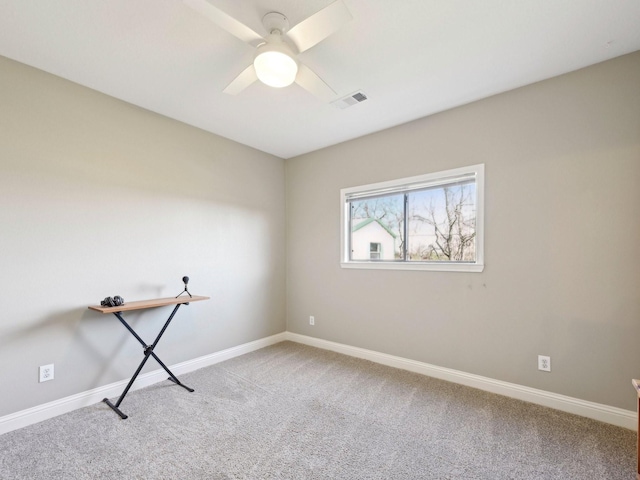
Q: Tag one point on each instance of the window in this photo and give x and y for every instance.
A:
(374, 251)
(428, 222)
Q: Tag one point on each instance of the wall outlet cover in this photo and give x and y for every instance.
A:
(544, 363)
(46, 373)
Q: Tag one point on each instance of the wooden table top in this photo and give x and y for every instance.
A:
(142, 304)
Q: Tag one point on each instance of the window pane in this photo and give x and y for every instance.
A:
(442, 224)
(377, 223)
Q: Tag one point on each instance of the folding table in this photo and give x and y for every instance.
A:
(148, 349)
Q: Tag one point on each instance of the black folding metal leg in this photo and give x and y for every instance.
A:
(148, 352)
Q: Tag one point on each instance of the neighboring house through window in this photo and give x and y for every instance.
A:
(372, 240)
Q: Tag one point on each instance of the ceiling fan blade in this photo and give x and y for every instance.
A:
(225, 21)
(242, 81)
(319, 26)
(311, 82)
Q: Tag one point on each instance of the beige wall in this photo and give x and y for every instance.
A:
(102, 198)
(562, 275)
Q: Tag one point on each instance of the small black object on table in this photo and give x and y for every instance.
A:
(185, 279)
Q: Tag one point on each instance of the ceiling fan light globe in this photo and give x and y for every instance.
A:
(274, 66)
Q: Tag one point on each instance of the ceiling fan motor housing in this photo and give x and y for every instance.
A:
(275, 21)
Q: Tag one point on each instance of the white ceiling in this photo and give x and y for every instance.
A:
(412, 58)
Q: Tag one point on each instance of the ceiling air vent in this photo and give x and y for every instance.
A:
(350, 100)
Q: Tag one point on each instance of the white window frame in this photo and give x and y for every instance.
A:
(407, 184)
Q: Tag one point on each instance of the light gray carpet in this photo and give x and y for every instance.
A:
(296, 412)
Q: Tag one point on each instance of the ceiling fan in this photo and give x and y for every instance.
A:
(275, 62)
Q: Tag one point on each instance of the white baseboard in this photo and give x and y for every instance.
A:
(39, 413)
(604, 413)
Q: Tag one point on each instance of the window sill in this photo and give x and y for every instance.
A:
(433, 267)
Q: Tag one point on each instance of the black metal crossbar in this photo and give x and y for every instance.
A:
(148, 352)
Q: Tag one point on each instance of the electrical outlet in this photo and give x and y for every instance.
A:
(312, 320)
(544, 363)
(46, 373)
